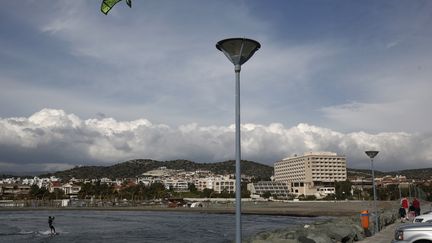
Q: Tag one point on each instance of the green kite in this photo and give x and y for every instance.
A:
(107, 5)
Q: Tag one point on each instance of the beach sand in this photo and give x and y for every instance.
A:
(300, 208)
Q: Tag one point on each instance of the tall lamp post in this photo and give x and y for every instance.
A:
(238, 51)
(372, 155)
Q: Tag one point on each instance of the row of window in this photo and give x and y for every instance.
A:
(271, 188)
(326, 166)
(224, 183)
(328, 178)
(328, 173)
(328, 170)
(328, 162)
(326, 158)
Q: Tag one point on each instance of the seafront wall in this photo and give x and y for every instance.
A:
(339, 229)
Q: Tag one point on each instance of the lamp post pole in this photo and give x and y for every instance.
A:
(238, 155)
(400, 193)
(238, 51)
(372, 155)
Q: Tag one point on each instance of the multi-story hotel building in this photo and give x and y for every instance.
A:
(313, 173)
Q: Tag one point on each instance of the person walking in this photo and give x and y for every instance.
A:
(402, 214)
(405, 205)
(50, 224)
(416, 204)
(411, 213)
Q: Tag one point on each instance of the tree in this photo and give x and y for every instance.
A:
(156, 190)
(57, 194)
(225, 194)
(343, 190)
(34, 190)
(391, 192)
(207, 193)
(39, 193)
(245, 193)
(192, 187)
(266, 194)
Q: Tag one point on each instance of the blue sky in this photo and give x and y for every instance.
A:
(79, 87)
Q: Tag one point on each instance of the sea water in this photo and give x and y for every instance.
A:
(134, 226)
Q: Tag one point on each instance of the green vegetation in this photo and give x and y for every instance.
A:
(133, 168)
(43, 194)
(140, 192)
(343, 190)
(420, 174)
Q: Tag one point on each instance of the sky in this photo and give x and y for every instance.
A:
(82, 88)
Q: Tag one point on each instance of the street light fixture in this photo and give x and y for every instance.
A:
(372, 155)
(238, 51)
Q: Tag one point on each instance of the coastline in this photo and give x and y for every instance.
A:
(298, 209)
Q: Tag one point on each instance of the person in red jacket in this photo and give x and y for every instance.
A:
(416, 204)
(405, 205)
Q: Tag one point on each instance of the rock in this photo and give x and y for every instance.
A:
(317, 237)
(337, 230)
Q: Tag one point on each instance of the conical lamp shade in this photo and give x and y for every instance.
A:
(371, 154)
(238, 50)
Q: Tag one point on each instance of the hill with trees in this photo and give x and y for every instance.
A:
(420, 174)
(133, 168)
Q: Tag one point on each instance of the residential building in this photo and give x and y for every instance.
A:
(313, 173)
(71, 189)
(224, 184)
(54, 185)
(176, 185)
(204, 183)
(14, 189)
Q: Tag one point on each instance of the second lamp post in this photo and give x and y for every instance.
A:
(372, 155)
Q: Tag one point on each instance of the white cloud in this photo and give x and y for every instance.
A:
(158, 60)
(399, 100)
(55, 140)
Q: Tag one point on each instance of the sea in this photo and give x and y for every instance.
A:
(135, 226)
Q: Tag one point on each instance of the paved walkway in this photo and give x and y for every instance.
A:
(386, 235)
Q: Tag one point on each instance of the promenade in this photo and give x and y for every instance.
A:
(386, 235)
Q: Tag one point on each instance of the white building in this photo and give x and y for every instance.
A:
(314, 173)
(178, 185)
(278, 189)
(71, 189)
(160, 173)
(204, 183)
(224, 184)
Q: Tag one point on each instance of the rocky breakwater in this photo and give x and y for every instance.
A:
(334, 230)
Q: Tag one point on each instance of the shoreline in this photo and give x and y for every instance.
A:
(293, 209)
(182, 210)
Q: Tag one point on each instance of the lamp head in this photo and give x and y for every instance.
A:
(238, 50)
(371, 154)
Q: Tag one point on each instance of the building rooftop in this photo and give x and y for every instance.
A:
(319, 153)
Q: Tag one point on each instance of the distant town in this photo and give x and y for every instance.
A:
(311, 176)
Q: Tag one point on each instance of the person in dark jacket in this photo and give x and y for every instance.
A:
(411, 213)
(402, 214)
(50, 224)
(416, 205)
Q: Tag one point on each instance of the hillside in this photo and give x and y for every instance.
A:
(421, 174)
(366, 173)
(4, 176)
(133, 168)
